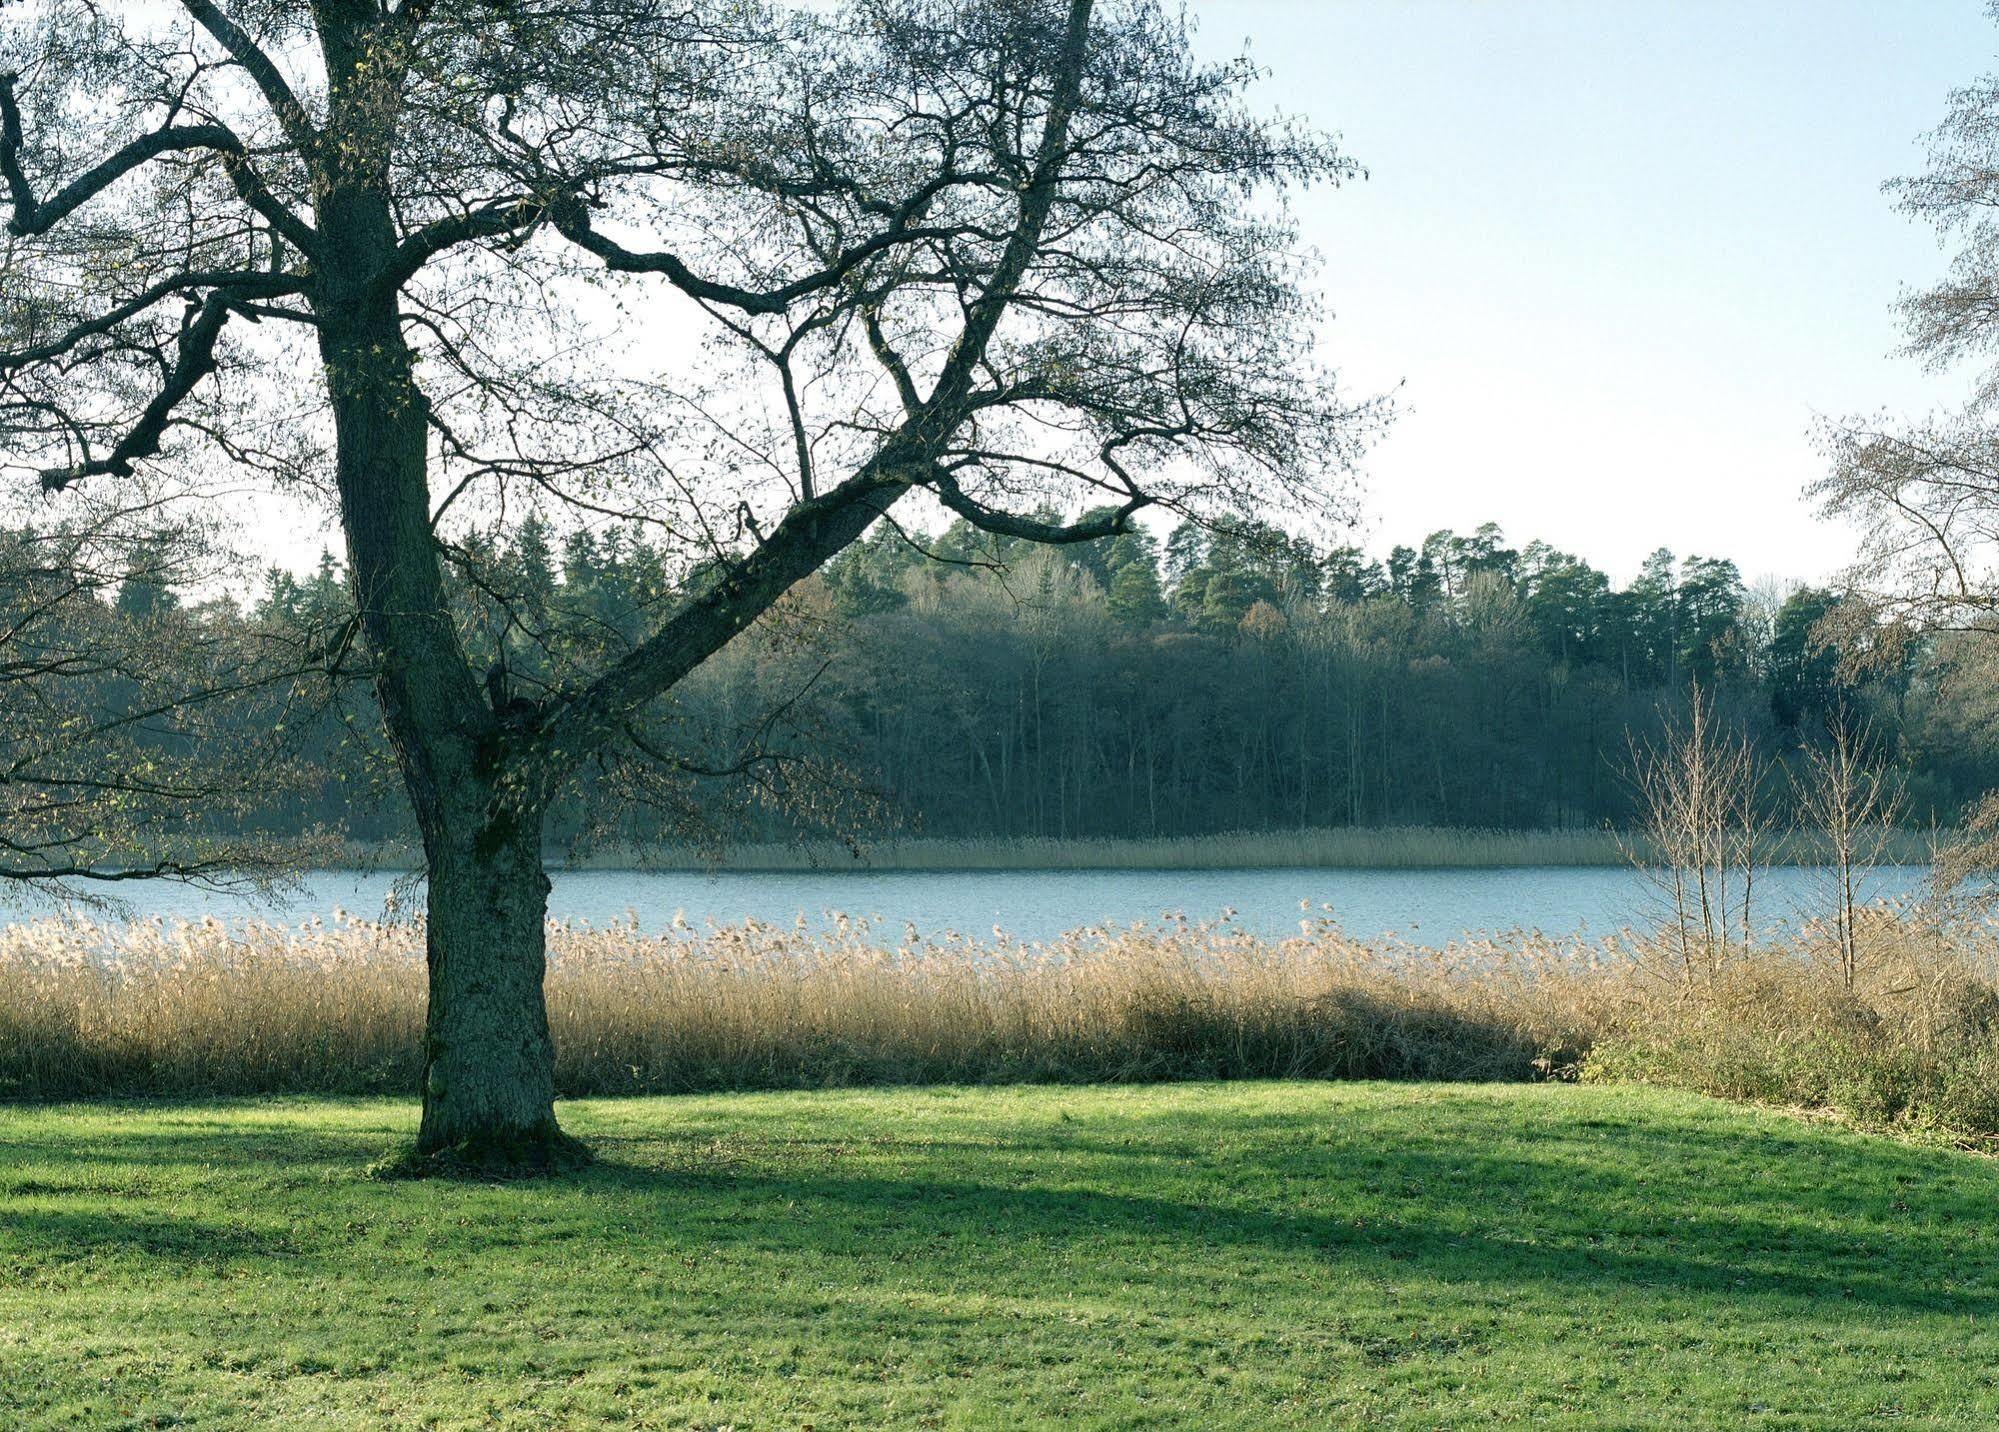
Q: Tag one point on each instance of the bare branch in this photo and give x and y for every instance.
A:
(195, 361)
(291, 115)
(32, 216)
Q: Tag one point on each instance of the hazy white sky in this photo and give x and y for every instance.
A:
(1620, 253)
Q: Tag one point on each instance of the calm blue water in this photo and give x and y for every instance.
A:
(1429, 907)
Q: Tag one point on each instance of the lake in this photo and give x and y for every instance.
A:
(1429, 907)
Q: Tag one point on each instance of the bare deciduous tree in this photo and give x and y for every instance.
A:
(1847, 797)
(1924, 494)
(1701, 837)
(428, 258)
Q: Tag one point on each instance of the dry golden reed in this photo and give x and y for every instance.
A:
(159, 1008)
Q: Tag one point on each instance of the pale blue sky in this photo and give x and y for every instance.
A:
(1620, 254)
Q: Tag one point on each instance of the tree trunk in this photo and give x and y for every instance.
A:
(489, 1074)
(489, 1065)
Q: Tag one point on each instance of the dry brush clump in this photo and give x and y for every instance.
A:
(337, 1007)
(1890, 1022)
(1884, 1015)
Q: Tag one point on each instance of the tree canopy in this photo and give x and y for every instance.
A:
(747, 275)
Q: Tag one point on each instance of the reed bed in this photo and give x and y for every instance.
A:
(158, 1008)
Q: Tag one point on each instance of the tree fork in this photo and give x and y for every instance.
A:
(489, 1065)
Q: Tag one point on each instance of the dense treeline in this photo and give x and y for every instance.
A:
(1227, 679)
(1241, 679)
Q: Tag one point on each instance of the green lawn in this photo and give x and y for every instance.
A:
(1250, 1255)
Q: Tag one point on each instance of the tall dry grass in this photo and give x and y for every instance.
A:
(191, 1009)
(196, 1008)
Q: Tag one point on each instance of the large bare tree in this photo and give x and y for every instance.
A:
(745, 274)
(1924, 492)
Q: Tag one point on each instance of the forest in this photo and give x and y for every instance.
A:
(1228, 678)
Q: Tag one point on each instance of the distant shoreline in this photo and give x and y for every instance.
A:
(1343, 848)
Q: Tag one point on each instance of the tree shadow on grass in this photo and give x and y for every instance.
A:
(268, 1150)
(1628, 1207)
(82, 1233)
(1736, 1240)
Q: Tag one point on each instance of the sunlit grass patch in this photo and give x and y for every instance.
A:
(1198, 1255)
